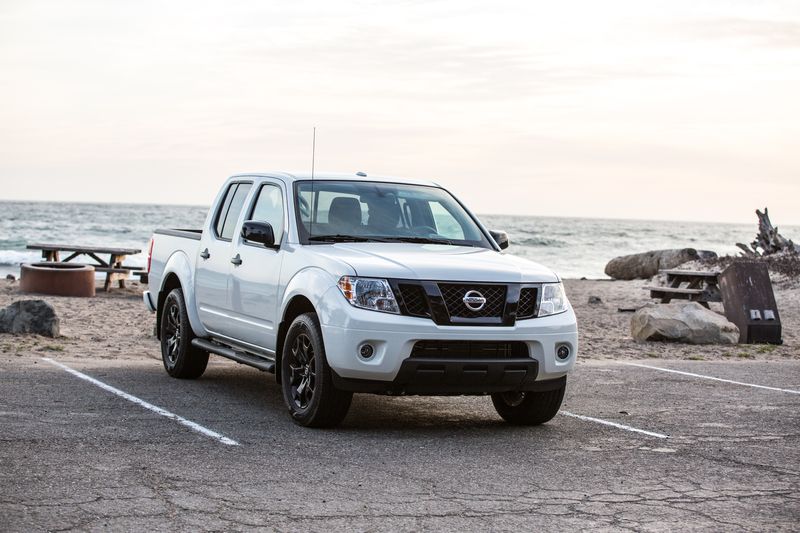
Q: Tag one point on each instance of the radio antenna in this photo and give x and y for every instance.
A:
(313, 151)
(314, 201)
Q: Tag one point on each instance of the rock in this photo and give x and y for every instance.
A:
(646, 265)
(594, 300)
(30, 316)
(11, 277)
(682, 322)
(706, 254)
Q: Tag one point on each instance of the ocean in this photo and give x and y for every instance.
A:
(573, 247)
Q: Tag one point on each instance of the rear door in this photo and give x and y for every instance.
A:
(255, 281)
(213, 267)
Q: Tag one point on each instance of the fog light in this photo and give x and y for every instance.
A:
(366, 351)
(563, 351)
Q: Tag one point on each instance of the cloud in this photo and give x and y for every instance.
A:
(762, 32)
(391, 63)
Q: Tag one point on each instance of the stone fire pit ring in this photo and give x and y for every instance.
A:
(58, 279)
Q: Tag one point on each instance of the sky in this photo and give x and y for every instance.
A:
(678, 110)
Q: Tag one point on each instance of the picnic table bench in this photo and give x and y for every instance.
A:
(692, 285)
(114, 269)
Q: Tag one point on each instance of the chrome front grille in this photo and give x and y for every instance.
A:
(443, 302)
(454, 293)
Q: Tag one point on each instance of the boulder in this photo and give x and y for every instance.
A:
(11, 277)
(595, 300)
(30, 316)
(647, 264)
(682, 322)
(706, 254)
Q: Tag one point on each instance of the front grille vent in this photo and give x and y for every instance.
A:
(469, 350)
(527, 303)
(414, 299)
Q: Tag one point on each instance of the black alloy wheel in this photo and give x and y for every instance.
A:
(307, 379)
(303, 371)
(181, 359)
(529, 408)
(172, 332)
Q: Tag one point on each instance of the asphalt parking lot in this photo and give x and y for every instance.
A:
(684, 451)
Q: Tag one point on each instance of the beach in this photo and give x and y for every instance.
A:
(116, 325)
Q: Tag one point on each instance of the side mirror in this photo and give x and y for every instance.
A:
(500, 237)
(260, 232)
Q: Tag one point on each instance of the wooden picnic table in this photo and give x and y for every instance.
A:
(114, 269)
(692, 285)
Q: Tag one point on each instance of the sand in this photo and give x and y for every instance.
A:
(116, 325)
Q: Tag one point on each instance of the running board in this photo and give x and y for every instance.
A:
(236, 355)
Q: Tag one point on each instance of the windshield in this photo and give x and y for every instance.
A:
(361, 211)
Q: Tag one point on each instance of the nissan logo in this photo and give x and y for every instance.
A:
(474, 300)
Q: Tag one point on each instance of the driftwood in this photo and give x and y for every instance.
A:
(768, 241)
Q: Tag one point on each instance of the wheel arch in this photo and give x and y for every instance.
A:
(179, 274)
(304, 293)
(171, 281)
(298, 305)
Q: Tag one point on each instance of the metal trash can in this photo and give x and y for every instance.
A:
(750, 303)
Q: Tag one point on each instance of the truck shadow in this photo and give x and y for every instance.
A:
(258, 397)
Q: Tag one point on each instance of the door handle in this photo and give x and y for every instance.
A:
(237, 260)
(204, 254)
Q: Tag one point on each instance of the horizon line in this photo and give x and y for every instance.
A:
(625, 219)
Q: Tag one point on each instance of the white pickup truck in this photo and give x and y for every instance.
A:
(349, 283)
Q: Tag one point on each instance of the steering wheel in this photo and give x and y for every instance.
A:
(305, 209)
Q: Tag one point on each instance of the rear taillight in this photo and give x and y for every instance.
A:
(150, 255)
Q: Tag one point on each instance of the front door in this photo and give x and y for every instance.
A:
(213, 266)
(254, 282)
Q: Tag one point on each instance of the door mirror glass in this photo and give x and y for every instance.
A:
(258, 232)
(500, 237)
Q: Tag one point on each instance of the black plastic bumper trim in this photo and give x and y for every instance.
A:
(443, 377)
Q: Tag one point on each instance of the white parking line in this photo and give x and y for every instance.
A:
(790, 391)
(158, 410)
(615, 425)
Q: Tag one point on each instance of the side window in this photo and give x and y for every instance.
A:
(269, 208)
(235, 206)
(222, 212)
(446, 224)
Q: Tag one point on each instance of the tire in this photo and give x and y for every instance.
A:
(528, 408)
(181, 359)
(306, 380)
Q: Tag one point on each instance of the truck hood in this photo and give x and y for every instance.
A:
(435, 262)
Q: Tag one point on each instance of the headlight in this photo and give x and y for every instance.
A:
(369, 293)
(554, 300)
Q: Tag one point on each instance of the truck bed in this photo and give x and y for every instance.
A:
(181, 244)
(185, 233)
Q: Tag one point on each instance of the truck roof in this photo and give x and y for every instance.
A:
(337, 176)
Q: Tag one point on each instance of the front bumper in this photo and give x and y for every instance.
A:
(345, 328)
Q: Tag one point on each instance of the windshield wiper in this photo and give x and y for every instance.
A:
(344, 238)
(421, 240)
